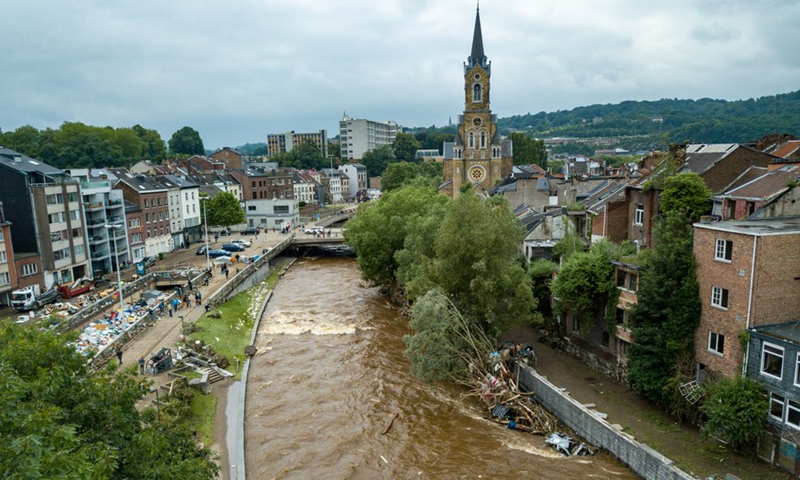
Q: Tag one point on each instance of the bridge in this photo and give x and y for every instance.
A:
(341, 216)
(312, 241)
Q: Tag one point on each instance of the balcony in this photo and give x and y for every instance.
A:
(96, 239)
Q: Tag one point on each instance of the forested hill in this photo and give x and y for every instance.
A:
(647, 123)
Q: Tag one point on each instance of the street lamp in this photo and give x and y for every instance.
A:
(119, 275)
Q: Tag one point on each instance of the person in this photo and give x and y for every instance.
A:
(226, 273)
(175, 303)
(141, 365)
(119, 356)
(208, 307)
(190, 284)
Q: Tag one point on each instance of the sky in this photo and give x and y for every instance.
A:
(238, 70)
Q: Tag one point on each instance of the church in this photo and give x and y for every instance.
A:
(478, 156)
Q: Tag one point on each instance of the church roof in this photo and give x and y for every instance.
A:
(477, 54)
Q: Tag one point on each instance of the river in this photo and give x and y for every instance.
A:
(330, 375)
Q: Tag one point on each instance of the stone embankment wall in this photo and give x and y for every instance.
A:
(639, 457)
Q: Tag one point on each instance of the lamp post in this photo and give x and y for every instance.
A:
(205, 218)
(110, 228)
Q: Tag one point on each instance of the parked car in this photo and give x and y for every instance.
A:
(215, 252)
(251, 231)
(224, 232)
(232, 247)
(201, 250)
(314, 230)
(243, 242)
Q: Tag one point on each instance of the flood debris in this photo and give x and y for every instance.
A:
(565, 444)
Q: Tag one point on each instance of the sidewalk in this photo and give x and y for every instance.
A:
(680, 442)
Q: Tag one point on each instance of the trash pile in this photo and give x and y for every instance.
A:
(506, 403)
(97, 336)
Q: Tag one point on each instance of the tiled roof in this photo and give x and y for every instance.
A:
(766, 186)
(700, 158)
(787, 149)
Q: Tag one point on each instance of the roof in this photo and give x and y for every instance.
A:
(765, 186)
(175, 181)
(778, 226)
(788, 331)
(701, 157)
(140, 183)
(25, 164)
(753, 172)
(787, 150)
(477, 55)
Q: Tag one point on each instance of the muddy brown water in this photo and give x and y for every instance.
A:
(329, 377)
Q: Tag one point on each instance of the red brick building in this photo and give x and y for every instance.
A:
(748, 273)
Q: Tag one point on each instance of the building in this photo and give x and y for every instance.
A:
(286, 142)
(153, 199)
(331, 179)
(184, 209)
(357, 174)
(43, 204)
(747, 273)
(104, 210)
(230, 157)
(305, 188)
(8, 272)
(134, 215)
(275, 214)
(260, 183)
(358, 136)
(478, 157)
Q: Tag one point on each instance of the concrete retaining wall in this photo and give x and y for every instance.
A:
(639, 457)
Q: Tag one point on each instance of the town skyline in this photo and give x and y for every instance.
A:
(238, 73)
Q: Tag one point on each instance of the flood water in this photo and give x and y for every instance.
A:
(329, 377)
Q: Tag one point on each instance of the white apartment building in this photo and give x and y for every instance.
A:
(358, 136)
(184, 209)
(272, 213)
(332, 179)
(357, 174)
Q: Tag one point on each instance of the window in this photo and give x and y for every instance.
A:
(633, 282)
(723, 250)
(719, 297)
(477, 93)
(57, 217)
(77, 233)
(483, 139)
(148, 233)
(638, 216)
(5, 279)
(3, 256)
(159, 201)
(471, 140)
(147, 217)
(29, 269)
(576, 325)
(716, 342)
(776, 404)
(772, 360)
(74, 215)
(793, 414)
(251, 208)
(55, 199)
(78, 250)
(278, 209)
(146, 202)
(72, 197)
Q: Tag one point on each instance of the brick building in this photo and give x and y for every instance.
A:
(748, 276)
(230, 157)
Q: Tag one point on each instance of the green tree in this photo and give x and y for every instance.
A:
(686, 194)
(224, 210)
(305, 156)
(399, 174)
(528, 150)
(58, 420)
(379, 230)
(540, 273)
(155, 148)
(667, 312)
(582, 284)
(377, 159)
(186, 141)
(405, 147)
(476, 267)
(737, 410)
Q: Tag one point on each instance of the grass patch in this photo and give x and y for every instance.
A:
(230, 334)
(202, 410)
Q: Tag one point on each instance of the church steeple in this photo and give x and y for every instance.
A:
(477, 57)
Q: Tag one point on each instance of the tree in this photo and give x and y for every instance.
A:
(668, 309)
(155, 148)
(528, 150)
(379, 230)
(405, 147)
(224, 210)
(686, 194)
(540, 273)
(186, 141)
(583, 282)
(737, 411)
(475, 264)
(377, 159)
(305, 156)
(59, 420)
(399, 174)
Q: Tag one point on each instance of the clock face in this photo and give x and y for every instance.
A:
(477, 121)
(476, 174)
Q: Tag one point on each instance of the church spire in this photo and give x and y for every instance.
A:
(477, 57)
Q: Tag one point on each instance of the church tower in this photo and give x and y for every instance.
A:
(478, 156)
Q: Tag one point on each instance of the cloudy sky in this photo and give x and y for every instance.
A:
(237, 70)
